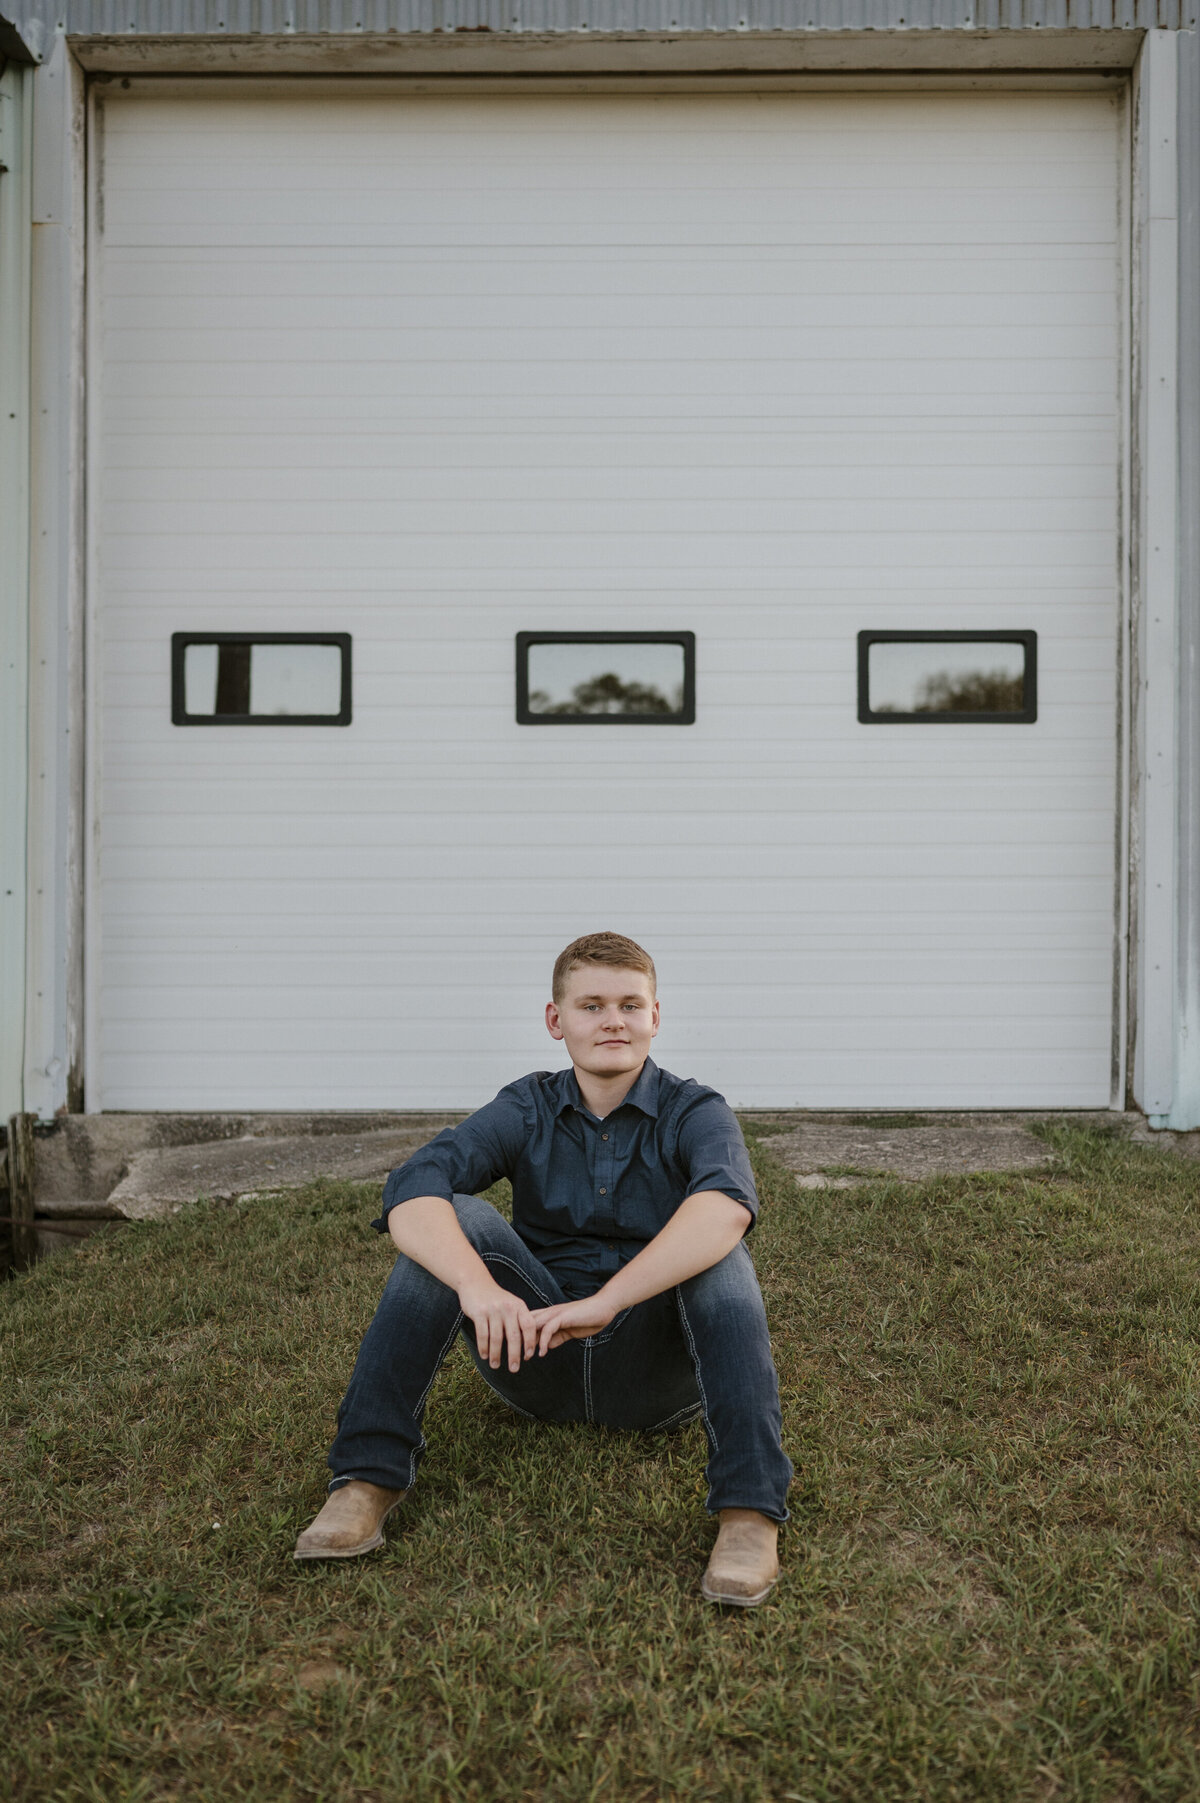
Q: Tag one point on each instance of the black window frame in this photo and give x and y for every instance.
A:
(686, 715)
(179, 646)
(1025, 716)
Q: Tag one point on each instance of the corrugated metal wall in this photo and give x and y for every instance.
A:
(156, 18)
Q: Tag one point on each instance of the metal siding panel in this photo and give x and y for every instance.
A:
(103, 18)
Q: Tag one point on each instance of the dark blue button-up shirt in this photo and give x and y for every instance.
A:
(588, 1194)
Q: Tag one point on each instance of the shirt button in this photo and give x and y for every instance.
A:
(604, 1192)
(604, 1136)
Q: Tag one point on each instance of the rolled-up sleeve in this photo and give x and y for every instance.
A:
(713, 1153)
(461, 1160)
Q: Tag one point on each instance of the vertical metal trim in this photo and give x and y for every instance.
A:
(75, 277)
(1121, 1030)
(93, 239)
(56, 481)
(15, 213)
(1185, 1109)
(1156, 572)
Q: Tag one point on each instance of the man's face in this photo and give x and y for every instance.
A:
(607, 1019)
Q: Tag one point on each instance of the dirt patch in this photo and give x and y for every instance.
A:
(319, 1674)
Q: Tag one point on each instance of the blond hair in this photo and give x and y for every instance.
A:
(611, 949)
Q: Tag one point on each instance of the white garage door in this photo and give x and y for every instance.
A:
(432, 372)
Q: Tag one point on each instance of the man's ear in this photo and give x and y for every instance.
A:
(654, 1020)
(553, 1024)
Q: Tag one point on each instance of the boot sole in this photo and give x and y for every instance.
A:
(736, 1602)
(341, 1552)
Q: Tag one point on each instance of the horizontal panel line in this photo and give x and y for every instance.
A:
(805, 533)
(939, 360)
(1097, 987)
(627, 466)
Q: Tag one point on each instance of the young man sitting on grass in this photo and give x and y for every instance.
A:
(621, 1294)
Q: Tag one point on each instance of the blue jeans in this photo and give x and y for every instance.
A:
(700, 1349)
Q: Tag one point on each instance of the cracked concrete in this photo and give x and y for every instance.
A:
(90, 1169)
(82, 1158)
(915, 1146)
(925, 1149)
(161, 1180)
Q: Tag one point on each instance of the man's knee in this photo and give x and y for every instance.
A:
(483, 1225)
(729, 1288)
(485, 1229)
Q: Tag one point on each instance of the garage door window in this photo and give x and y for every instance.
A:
(260, 679)
(967, 677)
(606, 678)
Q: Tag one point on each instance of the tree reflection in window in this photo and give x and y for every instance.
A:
(952, 676)
(968, 692)
(608, 694)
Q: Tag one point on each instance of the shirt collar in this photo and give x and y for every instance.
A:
(643, 1096)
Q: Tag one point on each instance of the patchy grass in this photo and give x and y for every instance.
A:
(990, 1393)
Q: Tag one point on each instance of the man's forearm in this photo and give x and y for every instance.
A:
(426, 1230)
(703, 1230)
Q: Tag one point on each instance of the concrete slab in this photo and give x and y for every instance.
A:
(81, 1158)
(818, 1180)
(75, 1208)
(161, 1179)
(950, 1147)
(1185, 1145)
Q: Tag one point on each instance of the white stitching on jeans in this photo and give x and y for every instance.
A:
(418, 1450)
(587, 1381)
(700, 1381)
(688, 1414)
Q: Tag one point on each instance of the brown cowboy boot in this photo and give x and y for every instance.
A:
(744, 1566)
(350, 1523)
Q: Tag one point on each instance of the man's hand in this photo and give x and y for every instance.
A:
(703, 1230)
(497, 1315)
(565, 1321)
(426, 1230)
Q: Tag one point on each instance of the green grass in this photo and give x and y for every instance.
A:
(991, 1580)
